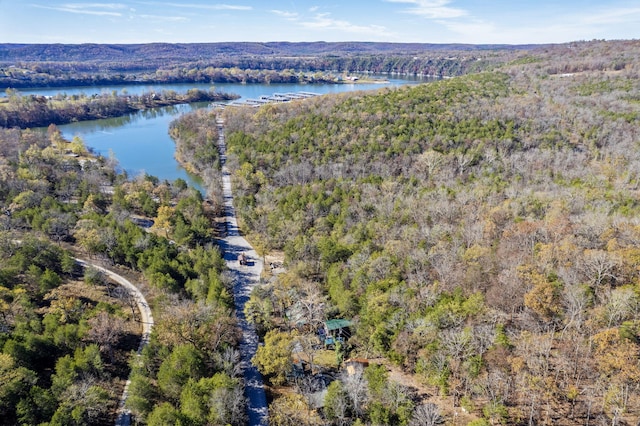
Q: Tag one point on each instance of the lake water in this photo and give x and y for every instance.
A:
(140, 141)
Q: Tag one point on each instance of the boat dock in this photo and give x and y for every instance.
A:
(275, 98)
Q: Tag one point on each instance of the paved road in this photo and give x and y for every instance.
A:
(245, 278)
(124, 415)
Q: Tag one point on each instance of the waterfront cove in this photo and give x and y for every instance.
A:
(140, 142)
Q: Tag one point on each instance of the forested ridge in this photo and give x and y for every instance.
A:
(102, 64)
(481, 232)
(68, 335)
(188, 51)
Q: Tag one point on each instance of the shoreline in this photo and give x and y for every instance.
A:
(39, 111)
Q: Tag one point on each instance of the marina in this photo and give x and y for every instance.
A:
(274, 98)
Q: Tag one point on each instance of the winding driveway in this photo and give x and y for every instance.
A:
(124, 415)
(245, 278)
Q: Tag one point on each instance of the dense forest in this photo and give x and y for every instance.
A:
(480, 233)
(79, 74)
(40, 111)
(88, 64)
(188, 51)
(67, 334)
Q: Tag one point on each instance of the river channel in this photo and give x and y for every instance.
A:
(140, 142)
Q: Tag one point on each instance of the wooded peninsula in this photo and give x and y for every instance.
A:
(40, 111)
(463, 251)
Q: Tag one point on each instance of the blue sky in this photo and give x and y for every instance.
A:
(427, 21)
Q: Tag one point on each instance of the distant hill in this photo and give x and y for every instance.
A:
(194, 51)
(55, 65)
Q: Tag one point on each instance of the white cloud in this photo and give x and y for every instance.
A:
(209, 6)
(324, 21)
(432, 9)
(613, 16)
(471, 30)
(584, 25)
(87, 8)
(292, 16)
(218, 6)
(113, 6)
(159, 18)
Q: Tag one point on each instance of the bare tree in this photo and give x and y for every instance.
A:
(622, 302)
(229, 361)
(229, 404)
(206, 327)
(429, 162)
(106, 330)
(357, 388)
(463, 160)
(336, 404)
(426, 415)
(127, 298)
(599, 267)
(576, 302)
(313, 302)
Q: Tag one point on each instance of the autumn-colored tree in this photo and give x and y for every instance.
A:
(292, 410)
(163, 221)
(544, 297)
(616, 357)
(273, 359)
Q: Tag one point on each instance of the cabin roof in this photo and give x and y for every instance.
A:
(336, 324)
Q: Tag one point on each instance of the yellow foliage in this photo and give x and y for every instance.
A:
(90, 204)
(162, 221)
(88, 238)
(517, 364)
(77, 146)
(544, 299)
(50, 153)
(7, 363)
(292, 410)
(561, 253)
(617, 358)
(475, 253)
(629, 260)
(66, 307)
(24, 200)
(572, 393)
(25, 174)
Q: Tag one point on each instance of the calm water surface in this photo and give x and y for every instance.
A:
(140, 141)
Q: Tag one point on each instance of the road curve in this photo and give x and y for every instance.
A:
(146, 318)
(245, 278)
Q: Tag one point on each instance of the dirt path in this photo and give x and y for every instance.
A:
(146, 318)
(245, 278)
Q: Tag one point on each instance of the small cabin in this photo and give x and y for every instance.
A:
(336, 330)
(355, 365)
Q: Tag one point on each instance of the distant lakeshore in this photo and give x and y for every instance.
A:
(41, 111)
